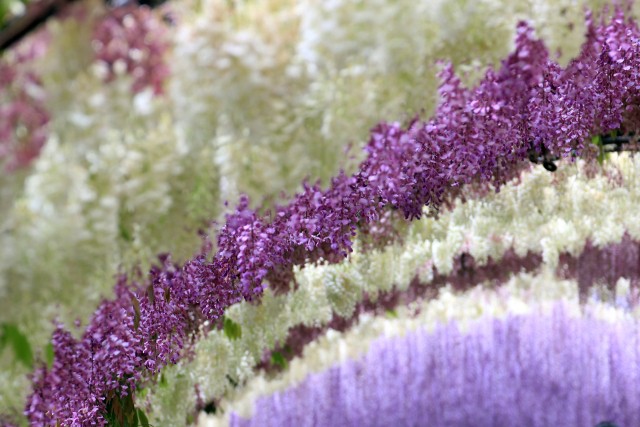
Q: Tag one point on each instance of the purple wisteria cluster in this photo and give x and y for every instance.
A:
(479, 135)
(23, 114)
(134, 38)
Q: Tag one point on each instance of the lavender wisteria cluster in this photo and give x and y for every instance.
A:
(528, 369)
(479, 135)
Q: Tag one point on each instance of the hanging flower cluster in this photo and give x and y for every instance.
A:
(529, 368)
(23, 114)
(133, 40)
(481, 135)
(124, 176)
(545, 220)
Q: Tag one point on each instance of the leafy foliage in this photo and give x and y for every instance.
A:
(231, 329)
(121, 412)
(12, 337)
(278, 359)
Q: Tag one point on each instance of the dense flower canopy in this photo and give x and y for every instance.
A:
(451, 197)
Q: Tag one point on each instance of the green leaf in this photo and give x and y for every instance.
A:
(232, 330)
(129, 411)
(116, 409)
(136, 312)
(142, 418)
(151, 294)
(121, 412)
(597, 140)
(49, 355)
(392, 313)
(4, 12)
(125, 234)
(163, 381)
(12, 336)
(278, 359)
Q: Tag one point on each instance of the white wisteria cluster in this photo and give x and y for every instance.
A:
(542, 213)
(280, 87)
(545, 213)
(102, 177)
(96, 200)
(523, 294)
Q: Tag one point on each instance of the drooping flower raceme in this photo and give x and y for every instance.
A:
(71, 221)
(23, 114)
(540, 220)
(546, 367)
(133, 38)
(319, 224)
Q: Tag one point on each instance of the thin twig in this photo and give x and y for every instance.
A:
(36, 14)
